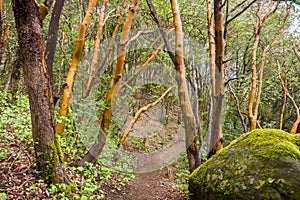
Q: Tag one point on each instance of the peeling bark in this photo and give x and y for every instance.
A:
(96, 47)
(216, 50)
(188, 116)
(68, 90)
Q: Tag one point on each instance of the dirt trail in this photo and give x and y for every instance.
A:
(147, 186)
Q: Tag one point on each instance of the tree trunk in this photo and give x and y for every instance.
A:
(109, 49)
(52, 36)
(184, 100)
(256, 89)
(188, 116)
(215, 137)
(13, 80)
(112, 94)
(95, 58)
(46, 144)
(73, 67)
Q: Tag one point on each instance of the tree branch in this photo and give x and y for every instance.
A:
(237, 104)
(167, 43)
(139, 112)
(241, 12)
(296, 50)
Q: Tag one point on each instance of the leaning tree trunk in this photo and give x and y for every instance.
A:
(46, 144)
(184, 100)
(70, 80)
(113, 93)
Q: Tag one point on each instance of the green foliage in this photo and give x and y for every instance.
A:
(3, 196)
(15, 113)
(15, 109)
(181, 173)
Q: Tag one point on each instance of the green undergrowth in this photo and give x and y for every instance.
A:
(87, 182)
(15, 115)
(181, 173)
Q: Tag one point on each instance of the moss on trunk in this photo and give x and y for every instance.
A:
(54, 157)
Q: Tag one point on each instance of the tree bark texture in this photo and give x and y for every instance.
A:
(184, 100)
(46, 144)
(96, 47)
(188, 116)
(110, 46)
(215, 137)
(73, 67)
(256, 88)
(284, 86)
(261, 19)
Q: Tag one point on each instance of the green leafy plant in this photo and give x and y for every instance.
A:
(3, 196)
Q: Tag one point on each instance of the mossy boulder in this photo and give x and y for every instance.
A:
(262, 164)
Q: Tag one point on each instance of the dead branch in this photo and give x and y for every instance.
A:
(139, 112)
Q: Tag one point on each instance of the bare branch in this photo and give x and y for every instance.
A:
(237, 104)
(156, 19)
(296, 50)
(241, 12)
(297, 110)
(139, 112)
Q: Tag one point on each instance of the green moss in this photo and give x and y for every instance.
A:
(59, 150)
(51, 161)
(52, 156)
(262, 164)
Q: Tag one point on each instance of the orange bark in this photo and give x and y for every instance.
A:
(211, 40)
(287, 94)
(112, 94)
(216, 53)
(113, 38)
(256, 89)
(73, 67)
(188, 116)
(97, 45)
(117, 79)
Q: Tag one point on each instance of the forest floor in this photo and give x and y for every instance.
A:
(19, 178)
(147, 186)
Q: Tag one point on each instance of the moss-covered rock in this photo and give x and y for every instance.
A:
(262, 164)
